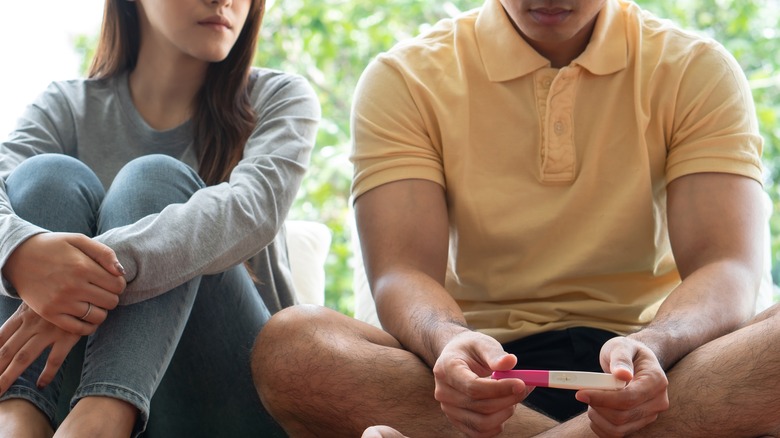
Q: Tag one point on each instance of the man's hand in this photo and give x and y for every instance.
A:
(618, 413)
(23, 338)
(476, 405)
(64, 276)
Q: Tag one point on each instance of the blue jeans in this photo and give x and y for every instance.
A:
(182, 358)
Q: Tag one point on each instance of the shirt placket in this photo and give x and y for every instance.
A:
(555, 97)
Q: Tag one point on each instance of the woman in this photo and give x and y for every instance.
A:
(109, 232)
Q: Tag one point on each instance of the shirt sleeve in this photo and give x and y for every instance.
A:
(46, 126)
(223, 225)
(715, 125)
(391, 130)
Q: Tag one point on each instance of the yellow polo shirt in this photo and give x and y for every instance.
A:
(555, 178)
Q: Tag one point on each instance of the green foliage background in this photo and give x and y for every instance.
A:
(331, 41)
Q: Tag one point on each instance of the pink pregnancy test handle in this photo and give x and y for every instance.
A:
(539, 378)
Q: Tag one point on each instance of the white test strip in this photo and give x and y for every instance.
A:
(563, 379)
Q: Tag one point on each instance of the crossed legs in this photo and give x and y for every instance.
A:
(336, 376)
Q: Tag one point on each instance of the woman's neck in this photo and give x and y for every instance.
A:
(164, 90)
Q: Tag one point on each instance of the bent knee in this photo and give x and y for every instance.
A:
(296, 323)
(290, 341)
(291, 330)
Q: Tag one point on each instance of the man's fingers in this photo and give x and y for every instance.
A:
(604, 428)
(617, 357)
(466, 382)
(452, 397)
(474, 424)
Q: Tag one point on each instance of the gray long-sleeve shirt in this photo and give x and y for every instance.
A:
(220, 226)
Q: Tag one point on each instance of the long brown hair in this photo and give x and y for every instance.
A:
(223, 118)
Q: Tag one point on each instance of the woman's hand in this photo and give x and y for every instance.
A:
(68, 279)
(23, 337)
(476, 405)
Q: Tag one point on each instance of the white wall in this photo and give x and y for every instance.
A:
(36, 47)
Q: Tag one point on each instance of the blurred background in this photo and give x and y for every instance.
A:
(330, 42)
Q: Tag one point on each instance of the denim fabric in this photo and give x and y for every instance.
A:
(181, 358)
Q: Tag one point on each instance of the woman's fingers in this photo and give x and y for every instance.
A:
(59, 351)
(25, 336)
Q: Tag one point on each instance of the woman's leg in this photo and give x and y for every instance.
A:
(128, 355)
(208, 389)
(58, 193)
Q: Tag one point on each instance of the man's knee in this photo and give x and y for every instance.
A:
(288, 337)
(289, 353)
(772, 313)
(289, 324)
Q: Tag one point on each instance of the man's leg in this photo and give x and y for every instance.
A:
(729, 387)
(321, 373)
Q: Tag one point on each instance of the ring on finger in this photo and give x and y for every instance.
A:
(89, 310)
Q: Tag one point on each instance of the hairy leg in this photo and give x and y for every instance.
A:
(321, 373)
(21, 419)
(726, 388)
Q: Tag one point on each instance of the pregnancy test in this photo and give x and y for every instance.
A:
(562, 379)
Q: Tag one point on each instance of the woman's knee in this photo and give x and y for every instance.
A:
(56, 192)
(151, 172)
(54, 177)
(146, 186)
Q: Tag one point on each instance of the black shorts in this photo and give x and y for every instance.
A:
(574, 349)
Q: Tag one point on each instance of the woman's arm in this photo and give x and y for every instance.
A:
(223, 225)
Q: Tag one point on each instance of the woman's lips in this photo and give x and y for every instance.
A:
(216, 22)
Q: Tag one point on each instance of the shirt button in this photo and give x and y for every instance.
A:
(547, 83)
(559, 128)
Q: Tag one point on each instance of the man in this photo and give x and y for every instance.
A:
(548, 185)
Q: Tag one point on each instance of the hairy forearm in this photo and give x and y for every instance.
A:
(418, 312)
(711, 302)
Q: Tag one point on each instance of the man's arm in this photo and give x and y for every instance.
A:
(716, 230)
(404, 234)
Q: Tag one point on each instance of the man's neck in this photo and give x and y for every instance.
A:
(562, 53)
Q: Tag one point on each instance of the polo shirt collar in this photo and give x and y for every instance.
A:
(496, 37)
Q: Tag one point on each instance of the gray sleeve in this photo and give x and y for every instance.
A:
(223, 225)
(46, 126)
